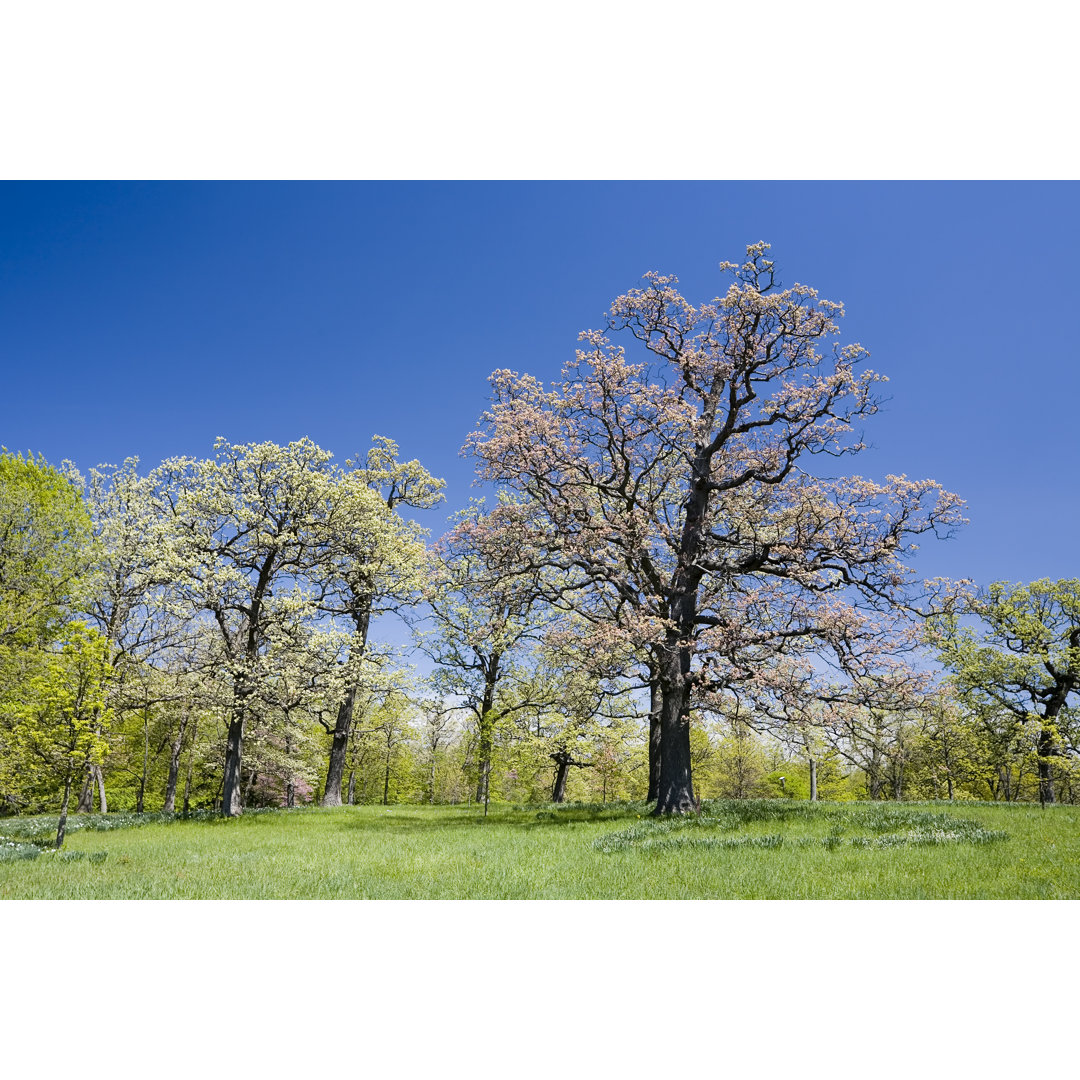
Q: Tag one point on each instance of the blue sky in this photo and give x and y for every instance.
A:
(148, 318)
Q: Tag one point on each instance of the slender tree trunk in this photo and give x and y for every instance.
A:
(655, 699)
(675, 794)
(103, 804)
(352, 786)
(174, 766)
(85, 804)
(190, 766)
(386, 780)
(338, 749)
(62, 826)
(145, 764)
(948, 768)
(813, 780)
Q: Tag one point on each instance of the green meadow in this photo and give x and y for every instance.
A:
(746, 849)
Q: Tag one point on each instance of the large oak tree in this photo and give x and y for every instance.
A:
(675, 490)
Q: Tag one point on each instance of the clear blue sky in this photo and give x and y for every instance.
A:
(148, 318)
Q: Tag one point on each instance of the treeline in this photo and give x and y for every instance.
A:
(663, 601)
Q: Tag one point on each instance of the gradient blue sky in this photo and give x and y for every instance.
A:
(147, 318)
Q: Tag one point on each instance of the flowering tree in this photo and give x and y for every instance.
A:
(246, 538)
(375, 561)
(673, 492)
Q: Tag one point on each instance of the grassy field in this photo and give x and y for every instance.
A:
(733, 850)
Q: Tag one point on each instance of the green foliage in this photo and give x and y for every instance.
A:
(51, 731)
(45, 549)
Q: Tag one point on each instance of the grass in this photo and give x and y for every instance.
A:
(771, 849)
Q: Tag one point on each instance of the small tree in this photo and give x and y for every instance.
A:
(1021, 660)
(52, 734)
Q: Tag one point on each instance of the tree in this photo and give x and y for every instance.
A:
(129, 608)
(1021, 660)
(375, 562)
(487, 616)
(676, 497)
(248, 534)
(46, 549)
(52, 732)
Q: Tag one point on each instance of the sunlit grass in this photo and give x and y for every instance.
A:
(750, 850)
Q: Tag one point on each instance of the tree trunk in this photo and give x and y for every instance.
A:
(675, 793)
(655, 699)
(562, 770)
(1046, 777)
(62, 826)
(103, 804)
(145, 764)
(174, 767)
(386, 780)
(231, 799)
(190, 766)
(487, 724)
(338, 749)
(85, 804)
(813, 780)
(352, 786)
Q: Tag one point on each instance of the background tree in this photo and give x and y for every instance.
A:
(486, 615)
(46, 549)
(1021, 660)
(375, 562)
(52, 732)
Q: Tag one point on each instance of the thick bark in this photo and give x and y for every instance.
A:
(174, 767)
(813, 780)
(339, 747)
(62, 826)
(486, 741)
(1046, 777)
(231, 799)
(335, 771)
(675, 794)
(562, 771)
(654, 740)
